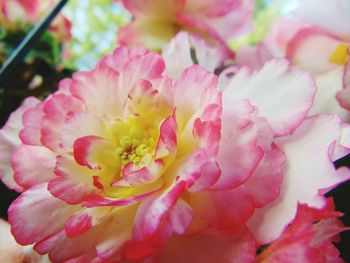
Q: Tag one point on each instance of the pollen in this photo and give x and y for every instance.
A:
(136, 147)
(340, 55)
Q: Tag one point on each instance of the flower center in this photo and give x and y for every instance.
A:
(135, 143)
(340, 55)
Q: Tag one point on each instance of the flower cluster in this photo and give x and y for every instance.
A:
(179, 156)
(15, 14)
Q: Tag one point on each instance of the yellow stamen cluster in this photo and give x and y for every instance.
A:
(340, 55)
(136, 147)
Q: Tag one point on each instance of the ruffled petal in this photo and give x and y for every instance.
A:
(282, 94)
(72, 182)
(307, 239)
(98, 90)
(33, 165)
(9, 142)
(80, 124)
(56, 109)
(266, 182)
(238, 153)
(32, 227)
(309, 174)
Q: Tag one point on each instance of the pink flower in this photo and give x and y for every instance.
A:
(15, 14)
(13, 11)
(309, 143)
(124, 163)
(308, 238)
(323, 24)
(156, 22)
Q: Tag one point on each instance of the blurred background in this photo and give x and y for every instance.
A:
(77, 39)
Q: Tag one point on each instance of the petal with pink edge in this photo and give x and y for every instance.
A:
(309, 174)
(9, 142)
(113, 236)
(84, 220)
(121, 56)
(265, 183)
(197, 170)
(93, 152)
(80, 124)
(330, 15)
(61, 248)
(307, 239)
(277, 38)
(302, 53)
(238, 153)
(156, 220)
(56, 109)
(72, 182)
(191, 88)
(32, 227)
(30, 134)
(151, 213)
(98, 89)
(33, 165)
(282, 94)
